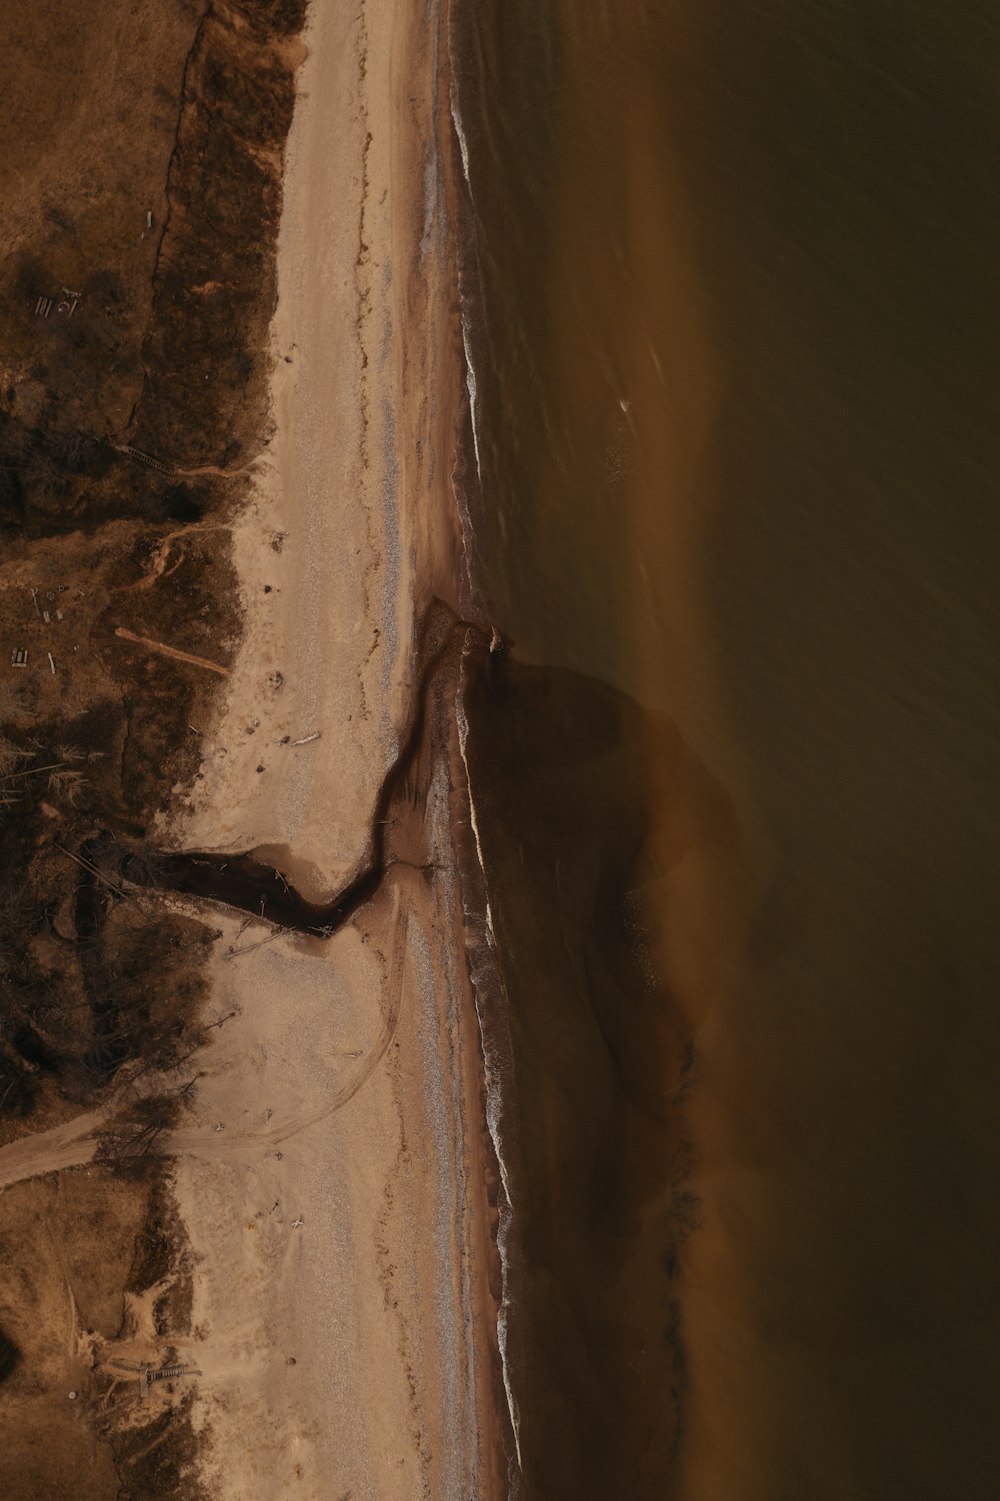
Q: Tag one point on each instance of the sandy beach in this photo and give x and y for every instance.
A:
(333, 1175)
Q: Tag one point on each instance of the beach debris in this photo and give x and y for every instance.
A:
(283, 741)
(249, 948)
(46, 617)
(89, 866)
(220, 1020)
(71, 1396)
(52, 665)
(298, 1223)
(147, 459)
(67, 305)
(268, 1113)
(168, 1372)
(308, 739)
(147, 1375)
(34, 600)
(19, 657)
(274, 1206)
(219, 1126)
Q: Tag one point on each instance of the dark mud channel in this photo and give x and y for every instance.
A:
(257, 887)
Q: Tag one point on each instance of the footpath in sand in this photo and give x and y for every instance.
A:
(333, 1173)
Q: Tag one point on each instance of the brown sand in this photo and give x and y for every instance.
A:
(332, 1175)
(351, 531)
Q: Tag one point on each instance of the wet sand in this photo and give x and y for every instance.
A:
(334, 1175)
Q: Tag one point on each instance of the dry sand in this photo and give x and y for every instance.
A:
(332, 1175)
(352, 527)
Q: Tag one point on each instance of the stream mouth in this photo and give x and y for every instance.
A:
(253, 886)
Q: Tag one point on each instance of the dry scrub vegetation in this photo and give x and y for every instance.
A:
(139, 196)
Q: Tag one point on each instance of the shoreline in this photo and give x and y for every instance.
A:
(381, 1273)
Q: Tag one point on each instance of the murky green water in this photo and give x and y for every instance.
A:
(733, 294)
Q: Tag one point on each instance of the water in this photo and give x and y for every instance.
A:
(731, 303)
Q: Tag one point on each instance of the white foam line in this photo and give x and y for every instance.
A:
(463, 145)
(473, 389)
(470, 373)
(463, 736)
(506, 1209)
(461, 502)
(492, 1093)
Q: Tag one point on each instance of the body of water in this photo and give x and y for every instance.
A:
(731, 296)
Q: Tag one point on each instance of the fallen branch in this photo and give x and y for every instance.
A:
(92, 869)
(170, 651)
(219, 1022)
(34, 771)
(235, 953)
